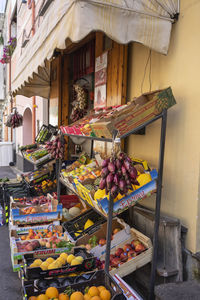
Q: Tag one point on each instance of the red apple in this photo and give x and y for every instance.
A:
(115, 262)
(124, 256)
(116, 230)
(127, 247)
(112, 256)
(102, 242)
(134, 243)
(131, 253)
(139, 248)
(118, 252)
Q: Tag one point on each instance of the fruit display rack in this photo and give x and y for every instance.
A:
(163, 117)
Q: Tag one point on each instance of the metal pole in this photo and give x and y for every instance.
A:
(158, 202)
(108, 234)
(91, 151)
(58, 169)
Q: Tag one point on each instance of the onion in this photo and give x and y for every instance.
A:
(116, 179)
(104, 172)
(102, 184)
(111, 167)
(105, 162)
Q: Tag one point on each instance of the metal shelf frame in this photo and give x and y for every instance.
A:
(163, 117)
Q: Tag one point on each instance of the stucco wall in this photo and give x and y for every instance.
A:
(180, 70)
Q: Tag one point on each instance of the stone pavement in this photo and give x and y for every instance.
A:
(10, 285)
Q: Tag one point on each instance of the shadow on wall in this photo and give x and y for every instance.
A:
(27, 126)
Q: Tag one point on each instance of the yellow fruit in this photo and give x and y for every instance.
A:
(61, 260)
(42, 297)
(32, 298)
(51, 266)
(100, 288)
(105, 295)
(75, 262)
(143, 179)
(76, 296)
(88, 224)
(33, 266)
(93, 291)
(50, 260)
(70, 258)
(52, 292)
(37, 262)
(95, 298)
(44, 266)
(64, 255)
(58, 263)
(63, 297)
(80, 258)
(87, 297)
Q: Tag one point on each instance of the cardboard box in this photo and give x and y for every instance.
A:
(131, 199)
(20, 219)
(118, 238)
(143, 109)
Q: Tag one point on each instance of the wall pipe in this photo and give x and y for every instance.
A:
(33, 98)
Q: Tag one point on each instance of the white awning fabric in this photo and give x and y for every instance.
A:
(145, 21)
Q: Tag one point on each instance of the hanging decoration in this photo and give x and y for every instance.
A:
(56, 147)
(15, 119)
(79, 103)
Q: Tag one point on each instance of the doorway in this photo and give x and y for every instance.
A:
(27, 126)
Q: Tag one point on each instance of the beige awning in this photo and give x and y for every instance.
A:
(145, 21)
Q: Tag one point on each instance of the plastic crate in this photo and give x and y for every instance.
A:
(72, 227)
(98, 278)
(45, 133)
(88, 264)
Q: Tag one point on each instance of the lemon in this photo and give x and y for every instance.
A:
(70, 258)
(75, 262)
(50, 260)
(64, 255)
(80, 258)
(61, 260)
(88, 224)
(44, 266)
(33, 266)
(51, 266)
(37, 262)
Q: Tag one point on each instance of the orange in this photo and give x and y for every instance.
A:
(32, 298)
(95, 298)
(87, 297)
(42, 297)
(63, 297)
(52, 292)
(93, 291)
(76, 296)
(105, 295)
(100, 288)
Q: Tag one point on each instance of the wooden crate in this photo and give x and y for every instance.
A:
(138, 261)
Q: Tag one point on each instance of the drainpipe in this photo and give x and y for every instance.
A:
(9, 82)
(33, 98)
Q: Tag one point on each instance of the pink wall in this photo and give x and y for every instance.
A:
(27, 126)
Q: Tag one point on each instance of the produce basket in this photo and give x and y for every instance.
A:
(98, 278)
(88, 264)
(75, 228)
(45, 133)
(142, 257)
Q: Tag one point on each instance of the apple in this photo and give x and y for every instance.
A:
(127, 247)
(116, 230)
(102, 242)
(118, 252)
(134, 243)
(112, 256)
(115, 262)
(131, 253)
(139, 248)
(124, 256)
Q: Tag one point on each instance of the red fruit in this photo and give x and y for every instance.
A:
(29, 247)
(112, 256)
(118, 252)
(132, 253)
(127, 247)
(124, 256)
(139, 248)
(134, 243)
(116, 230)
(115, 262)
(102, 242)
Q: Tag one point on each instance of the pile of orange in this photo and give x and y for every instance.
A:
(93, 293)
